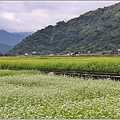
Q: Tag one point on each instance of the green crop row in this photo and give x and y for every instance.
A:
(82, 64)
(41, 96)
(18, 72)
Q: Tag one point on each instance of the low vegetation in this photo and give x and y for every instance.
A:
(109, 64)
(39, 96)
(19, 72)
(26, 93)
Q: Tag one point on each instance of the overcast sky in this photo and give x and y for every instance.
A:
(29, 16)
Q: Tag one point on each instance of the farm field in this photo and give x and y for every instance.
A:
(26, 93)
(102, 64)
(32, 95)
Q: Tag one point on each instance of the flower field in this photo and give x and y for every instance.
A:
(102, 64)
(26, 93)
(32, 95)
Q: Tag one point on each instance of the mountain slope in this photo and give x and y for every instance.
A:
(11, 38)
(8, 40)
(5, 48)
(94, 31)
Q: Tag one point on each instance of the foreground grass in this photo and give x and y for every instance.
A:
(38, 96)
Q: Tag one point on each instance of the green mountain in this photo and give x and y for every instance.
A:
(8, 40)
(95, 31)
(5, 48)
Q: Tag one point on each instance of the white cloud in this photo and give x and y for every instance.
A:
(7, 15)
(33, 15)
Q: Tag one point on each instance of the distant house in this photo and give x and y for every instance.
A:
(34, 52)
(26, 54)
(118, 50)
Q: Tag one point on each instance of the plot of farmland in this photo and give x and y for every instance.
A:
(82, 64)
(26, 93)
(38, 96)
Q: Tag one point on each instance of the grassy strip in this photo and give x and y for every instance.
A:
(14, 72)
(44, 96)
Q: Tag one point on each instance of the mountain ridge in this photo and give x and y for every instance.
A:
(11, 38)
(8, 40)
(5, 48)
(94, 31)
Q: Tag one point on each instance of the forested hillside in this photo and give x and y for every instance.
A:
(5, 48)
(8, 40)
(94, 31)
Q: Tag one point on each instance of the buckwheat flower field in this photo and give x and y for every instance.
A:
(32, 95)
